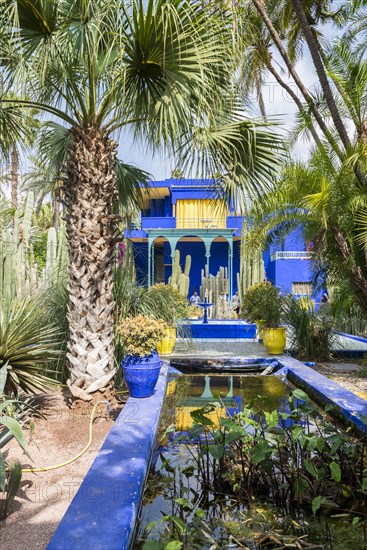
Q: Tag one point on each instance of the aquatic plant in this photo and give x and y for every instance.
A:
(264, 477)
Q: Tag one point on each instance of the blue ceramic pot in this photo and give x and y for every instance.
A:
(141, 373)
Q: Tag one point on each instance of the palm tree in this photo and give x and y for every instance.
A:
(99, 66)
(327, 202)
(18, 127)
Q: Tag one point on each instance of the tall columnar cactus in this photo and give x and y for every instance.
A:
(18, 271)
(215, 290)
(251, 265)
(180, 280)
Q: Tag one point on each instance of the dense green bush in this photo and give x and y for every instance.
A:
(167, 303)
(262, 302)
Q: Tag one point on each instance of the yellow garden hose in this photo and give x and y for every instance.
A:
(47, 468)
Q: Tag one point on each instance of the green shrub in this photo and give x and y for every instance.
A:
(263, 302)
(166, 303)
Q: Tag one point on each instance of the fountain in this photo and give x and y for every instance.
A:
(205, 307)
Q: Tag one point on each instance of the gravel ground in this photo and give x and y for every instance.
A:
(44, 497)
(347, 375)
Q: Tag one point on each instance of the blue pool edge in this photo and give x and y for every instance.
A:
(104, 511)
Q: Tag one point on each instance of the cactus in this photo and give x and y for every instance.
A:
(18, 269)
(251, 265)
(180, 280)
(215, 290)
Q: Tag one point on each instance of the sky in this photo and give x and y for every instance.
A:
(278, 105)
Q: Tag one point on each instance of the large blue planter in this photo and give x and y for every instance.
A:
(141, 373)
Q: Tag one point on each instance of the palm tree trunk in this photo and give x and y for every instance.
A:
(313, 46)
(321, 73)
(90, 195)
(295, 98)
(260, 99)
(356, 274)
(259, 5)
(14, 176)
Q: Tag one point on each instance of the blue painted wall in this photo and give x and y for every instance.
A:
(293, 241)
(283, 273)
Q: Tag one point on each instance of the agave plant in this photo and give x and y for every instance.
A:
(29, 344)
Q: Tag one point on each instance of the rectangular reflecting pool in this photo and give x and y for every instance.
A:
(197, 495)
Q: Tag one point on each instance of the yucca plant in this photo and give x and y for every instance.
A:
(312, 332)
(29, 344)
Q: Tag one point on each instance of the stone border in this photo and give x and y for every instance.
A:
(348, 406)
(104, 511)
(353, 337)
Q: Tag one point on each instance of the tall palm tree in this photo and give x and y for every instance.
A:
(100, 65)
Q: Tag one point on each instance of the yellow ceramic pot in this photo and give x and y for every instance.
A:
(274, 339)
(167, 344)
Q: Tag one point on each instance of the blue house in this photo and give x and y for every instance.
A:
(185, 214)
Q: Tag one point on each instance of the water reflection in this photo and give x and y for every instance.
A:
(229, 394)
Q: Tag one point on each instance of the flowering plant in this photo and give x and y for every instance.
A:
(139, 335)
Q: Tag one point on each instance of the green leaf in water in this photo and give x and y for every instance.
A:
(311, 469)
(153, 545)
(174, 545)
(272, 419)
(216, 451)
(183, 502)
(300, 394)
(317, 503)
(335, 470)
(261, 452)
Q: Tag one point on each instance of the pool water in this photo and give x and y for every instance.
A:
(218, 521)
(186, 394)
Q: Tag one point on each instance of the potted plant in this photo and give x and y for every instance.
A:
(262, 304)
(139, 336)
(168, 304)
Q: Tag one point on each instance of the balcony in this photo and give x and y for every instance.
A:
(164, 222)
(183, 223)
(201, 223)
(291, 255)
